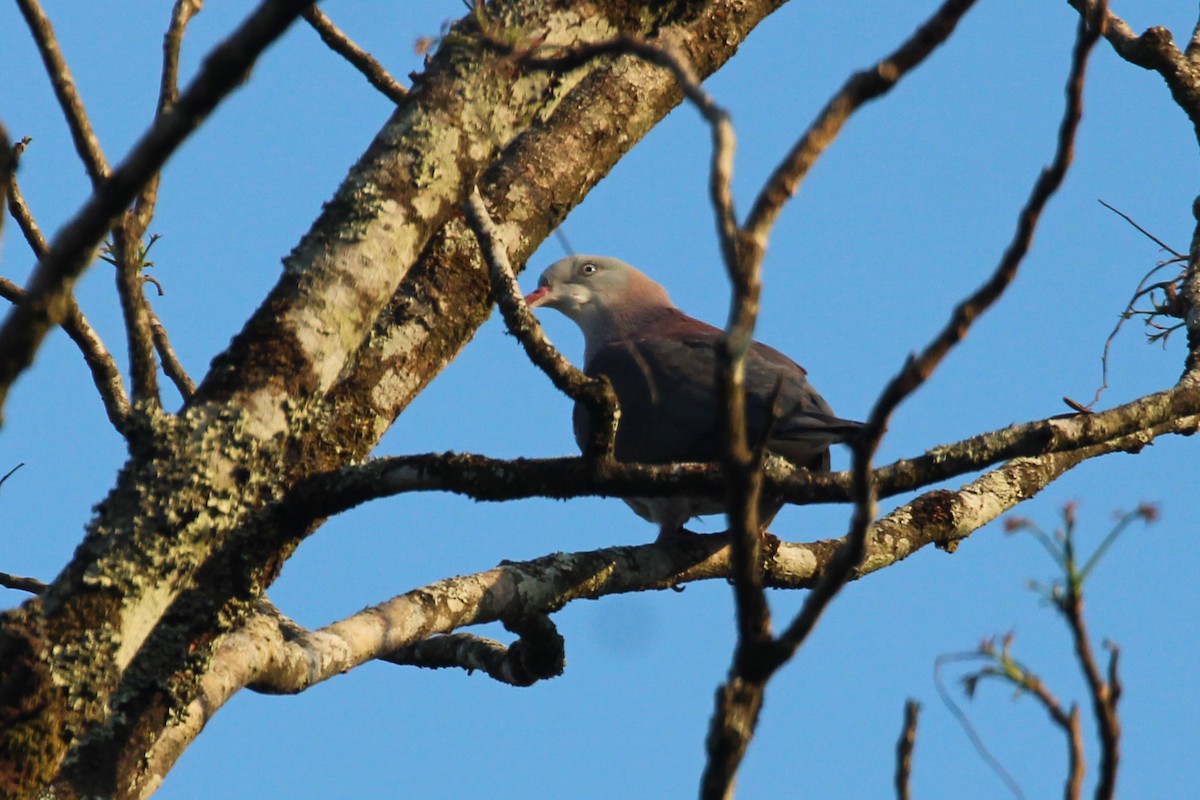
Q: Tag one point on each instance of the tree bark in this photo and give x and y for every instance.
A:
(375, 300)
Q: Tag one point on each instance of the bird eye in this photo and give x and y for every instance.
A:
(588, 269)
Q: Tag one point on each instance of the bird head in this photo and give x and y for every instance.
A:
(603, 296)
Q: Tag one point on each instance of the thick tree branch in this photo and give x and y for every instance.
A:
(258, 648)
(224, 69)
(1129, 427)
(360, 59)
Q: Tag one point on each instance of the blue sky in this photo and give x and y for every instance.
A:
(905, 214)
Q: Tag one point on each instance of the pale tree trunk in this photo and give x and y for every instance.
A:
(376, 299)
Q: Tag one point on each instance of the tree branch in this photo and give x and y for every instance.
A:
(86, 143)
(100, 362)
(904, 750)
(360, 59)
(223, 70)
(514, 590)
(859, 89)
(168, 93)
(127, 260)
(597, 394)
(171, 365)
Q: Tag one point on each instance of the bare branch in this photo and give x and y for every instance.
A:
(596, 393)
(1104, 698)
(100, 362)
(127, 258)
(860, 88)
(170, 362)
(918, 368)
(965, 722)
(904, 750)
(86, 143)
(1125, 428)
(168, 92)
(31, 585)
(8, 167)
(223, 70)
(258, 651)
(361, 60)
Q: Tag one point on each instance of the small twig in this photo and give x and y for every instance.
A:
(9, 474)
(596, 394)
(1141, 290)
(1104, 699)
(86, 143)
(363, 61)
(223, 70)
(8, 168)
(171, 365)
(143, 366)
(100, 362)
(904, 750)
(1143, 231)
(23, 217)
(31, 585)
(138, 219)
(965, 722)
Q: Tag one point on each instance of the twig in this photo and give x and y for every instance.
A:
(31, 585)
(1123, 428)
(182, 12)
(596, 394)
(1138, 293)
(86, 143)
(1104, 696)
(904, 750)
(170, 362)
(859, 88)
(918, 368)
(223, 70)
(8, 167)
(965, 722)
(363, 61)
(9, 474)
(143, 366)
(100, 362)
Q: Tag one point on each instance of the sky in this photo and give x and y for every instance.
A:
(905, 214)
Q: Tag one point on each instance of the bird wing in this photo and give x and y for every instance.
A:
(664, 377)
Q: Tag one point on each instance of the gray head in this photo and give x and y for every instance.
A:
(605, 297)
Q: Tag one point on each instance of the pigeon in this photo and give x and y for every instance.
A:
(662, 366)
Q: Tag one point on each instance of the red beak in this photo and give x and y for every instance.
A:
(535, 298)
